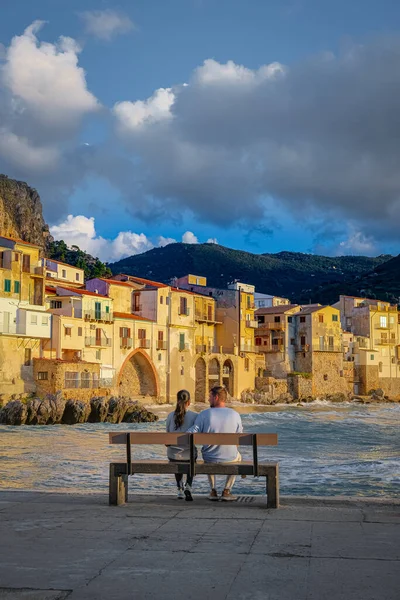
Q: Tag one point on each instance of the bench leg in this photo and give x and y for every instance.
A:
(118, 487)
(272, 485)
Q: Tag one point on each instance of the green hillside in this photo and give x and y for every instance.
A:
(294, 275)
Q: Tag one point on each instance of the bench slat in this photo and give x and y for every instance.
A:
(182, 439)
(149, 438)
(201, 468)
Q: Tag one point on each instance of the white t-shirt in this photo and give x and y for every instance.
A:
(218, 420)
(180, 452)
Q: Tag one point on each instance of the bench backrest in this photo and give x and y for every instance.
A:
(130, 438)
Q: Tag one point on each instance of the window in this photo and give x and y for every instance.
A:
(95, 379)
(33, 319)
(303, 340)
(258, 341)
(55, 304)
(182, 370)
(64, 273)
(167, 300)
(277, 319)
(141, 334)
(246, 364)
(181, 341)
(68, 331)
(77, 276)
(161, 299)
(209, 312)
(97, 310)
(124, 332)
(26, 263)
(43, 375)
(330, 341)
(290, 319)
(372, 357)
(80, 331)
(159, 356)
(16, 287)
(183, 306)
(45, 320)
(391, 320)
(16, 256)
(248, 301)
(382, 321)
(334, 317)
(71, 379)
(380, 367)
(107, 310)
(292, 341)
(325, 377)
(7, 285)
(27, 357)
(320, 318)
(302, 319)
(85, 379)
(136, 303)
(98, 354)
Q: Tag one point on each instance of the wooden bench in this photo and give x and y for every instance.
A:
(119, 472)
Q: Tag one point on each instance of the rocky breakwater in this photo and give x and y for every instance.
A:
(53, 409)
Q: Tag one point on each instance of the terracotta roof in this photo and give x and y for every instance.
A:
(311, 309)
(79, 291)
(144, 281)
(119, 315)
(17, 241)
(271, 310)
(116, 282)
(62, 263)
(63, 281)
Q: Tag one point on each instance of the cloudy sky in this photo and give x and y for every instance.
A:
(264, 125)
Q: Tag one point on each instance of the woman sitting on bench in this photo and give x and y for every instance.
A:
(181, 420)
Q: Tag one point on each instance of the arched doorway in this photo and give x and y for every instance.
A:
(138, 376)
(227, 376)
(213, 373)
(200, 392)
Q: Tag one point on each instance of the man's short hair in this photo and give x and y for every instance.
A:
(219, 390)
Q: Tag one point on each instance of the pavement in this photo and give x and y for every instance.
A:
(58, 546)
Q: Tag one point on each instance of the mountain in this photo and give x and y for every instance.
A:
(21, 216)
(293, 275)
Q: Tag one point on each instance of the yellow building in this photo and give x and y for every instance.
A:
(375, 349)
(24, 323)
(274, 338)
(59, 273)
(319, 349)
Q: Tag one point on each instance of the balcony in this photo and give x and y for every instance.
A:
(385, 342)
(380, 326)
(98, 342)
(33, 269)
(125, 342)
(271, 326)
(327, 348)
(161, 345)
(67, 311)
(143, 343)
(204, 317)
(97, 315)
(251, 323)
(76, 382)
(252, 349)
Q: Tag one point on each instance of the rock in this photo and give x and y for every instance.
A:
(307, 399)
(56, 404)
(13, 413)
(76, 411)
(338, 397)
(116, 409)
(135, 413)
(378, 394)
(99, 410)
(285, 398)
(46, 411)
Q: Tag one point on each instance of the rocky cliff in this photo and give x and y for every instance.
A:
(21, 213)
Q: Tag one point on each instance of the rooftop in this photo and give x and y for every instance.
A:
(274, 310)
(80, 292)
(17, 241)
(120, 315)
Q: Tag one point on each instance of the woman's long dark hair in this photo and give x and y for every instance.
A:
(182, 398)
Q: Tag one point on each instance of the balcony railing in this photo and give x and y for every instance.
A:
(125, 342)
(272, 348)
(88, 383)
(327, 348)
(33, 269)
(100, 342)
(161, 344)
(204, 317)
(184, 312)
(97, 315)
(251, 323)
(143, 343)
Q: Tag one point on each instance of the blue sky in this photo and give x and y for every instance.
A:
(297, 157)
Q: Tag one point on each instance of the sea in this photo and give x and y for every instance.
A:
(323, 450)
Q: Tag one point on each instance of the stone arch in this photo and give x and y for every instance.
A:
(200, 392)
(138, 376)
(214, 373)
(228, 374)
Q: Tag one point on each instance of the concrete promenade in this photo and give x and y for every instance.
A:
(77, 547)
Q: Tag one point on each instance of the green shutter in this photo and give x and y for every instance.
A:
(7, 285)
(16, 287)
(107, 309)
(181, 341)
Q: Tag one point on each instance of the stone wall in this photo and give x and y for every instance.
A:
(368, 378)
(55, 381)
(137, 378)
(390, 386)
(275, 386)
(328, 374)
(300, 387)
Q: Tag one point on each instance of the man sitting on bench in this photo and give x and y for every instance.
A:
(219, 419)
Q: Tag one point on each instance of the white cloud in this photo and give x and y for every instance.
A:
(358, 244)
(46, 81)
(164, 241)
(106, 24)
(22, 154)
(212, 241)
(132, 115)
(189, 238)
